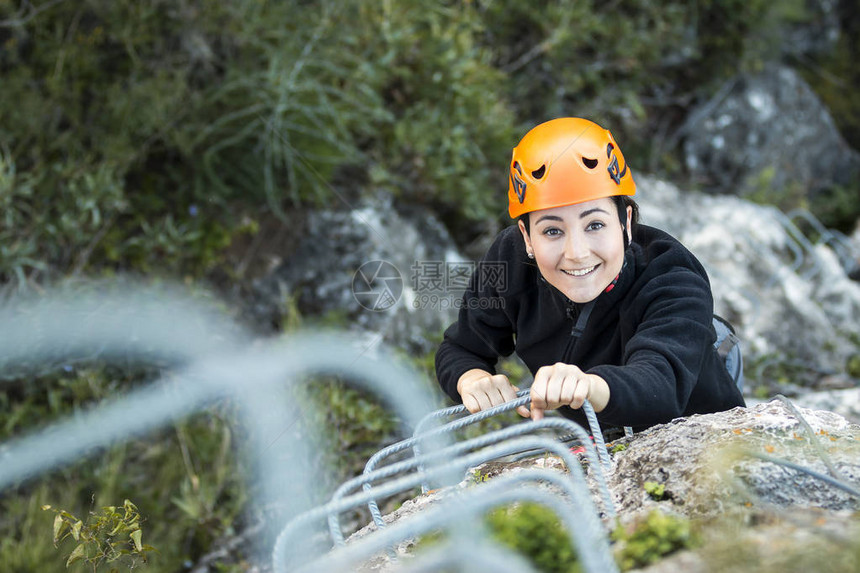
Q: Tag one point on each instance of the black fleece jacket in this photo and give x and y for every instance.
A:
(650, 337)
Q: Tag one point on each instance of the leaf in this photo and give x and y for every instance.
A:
(76, 530)
(76, 555)
(119, 527)
(58, 527)
(136, 537)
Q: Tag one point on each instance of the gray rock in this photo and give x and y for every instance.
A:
(845, 402)
(769, 130)
(322, 274)
(704, 463)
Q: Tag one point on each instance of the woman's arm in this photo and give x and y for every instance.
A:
(484, 330)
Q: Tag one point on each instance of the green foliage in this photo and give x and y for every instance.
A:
(536, 532)
(353, 423)
(144, 136)
(189, 477)
(106, 538)
(837, 207)
(153, 136)
(450, 127)
(853, 366)
(657, 491)
(834, 76)
(622, 66)
(651, 539)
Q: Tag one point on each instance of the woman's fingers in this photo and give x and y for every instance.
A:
(553, 386)
(568, 391)
(580, 393)
(483, 392)
(558, 385)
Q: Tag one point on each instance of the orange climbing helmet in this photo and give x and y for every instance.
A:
(563, 162)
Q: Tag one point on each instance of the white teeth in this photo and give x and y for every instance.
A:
(580, 272)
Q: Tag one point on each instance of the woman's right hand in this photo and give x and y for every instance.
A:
(481, 390)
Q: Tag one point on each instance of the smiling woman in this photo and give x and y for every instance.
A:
(598, 306)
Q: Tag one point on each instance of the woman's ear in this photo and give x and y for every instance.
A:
(629, 226)
(526, 238)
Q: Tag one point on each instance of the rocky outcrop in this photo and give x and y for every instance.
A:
(380, 270)
(767, 130)
(707, 466)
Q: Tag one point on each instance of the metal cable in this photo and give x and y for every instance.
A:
(478, 557)
(837, 241)
(588, 409)
(371, 474)
(801, 240)
(285, 552)
(596, 433)
(602, 454)
(818, 475)
(812, 438)
(584, 527)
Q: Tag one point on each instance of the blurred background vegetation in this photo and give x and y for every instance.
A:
(152, 137)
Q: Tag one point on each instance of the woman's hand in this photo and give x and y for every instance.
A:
(566, 385)
(481, 390)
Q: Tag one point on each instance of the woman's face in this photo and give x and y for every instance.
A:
(579, 249)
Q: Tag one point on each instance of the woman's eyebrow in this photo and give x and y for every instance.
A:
(549, 218)
(585, 214)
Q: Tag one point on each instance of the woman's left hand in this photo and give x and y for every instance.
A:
(566, 385)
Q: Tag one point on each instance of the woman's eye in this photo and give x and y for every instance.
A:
(595, 226)
(552, 232)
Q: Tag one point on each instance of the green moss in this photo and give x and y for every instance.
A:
(657, 491)
(650, 539)
(536, 532)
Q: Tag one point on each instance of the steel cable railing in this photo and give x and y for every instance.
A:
(584, 527)
(372, 474)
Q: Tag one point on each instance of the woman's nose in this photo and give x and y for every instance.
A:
(575, 247)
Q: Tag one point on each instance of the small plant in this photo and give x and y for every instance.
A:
(657, 491)
(478, 476)
(652, 538)
(536, 532)
(532, 530)
(106, 537)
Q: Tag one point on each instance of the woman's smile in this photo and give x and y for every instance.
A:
(580, 272)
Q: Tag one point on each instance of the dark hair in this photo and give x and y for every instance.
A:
(621, 203)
